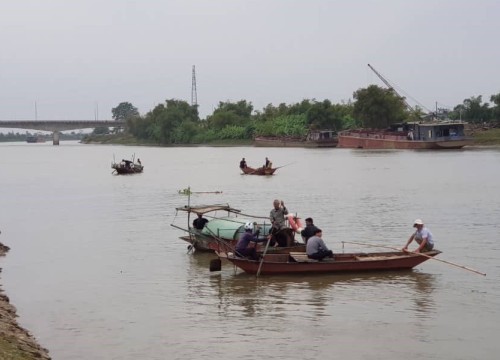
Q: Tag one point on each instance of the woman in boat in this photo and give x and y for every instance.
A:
(316, 248)
(242, 246)
(422, 236)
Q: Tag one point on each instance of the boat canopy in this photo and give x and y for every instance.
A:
(226, 228)
(231, 227)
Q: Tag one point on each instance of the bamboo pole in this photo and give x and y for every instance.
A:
(263, 255)
(416, 253)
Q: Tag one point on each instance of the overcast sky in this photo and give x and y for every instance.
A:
(73, 57)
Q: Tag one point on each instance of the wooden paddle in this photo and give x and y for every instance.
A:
(417, 253)
(263, 255)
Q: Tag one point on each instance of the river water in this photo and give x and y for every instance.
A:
(97, 272)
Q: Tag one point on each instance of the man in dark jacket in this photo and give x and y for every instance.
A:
(309, 230)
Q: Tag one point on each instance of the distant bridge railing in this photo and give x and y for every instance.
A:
(62, 125)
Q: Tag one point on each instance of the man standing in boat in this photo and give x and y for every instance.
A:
(277, 215)
(316, 248)
(422, 236)
(268, 164)
(243, 164)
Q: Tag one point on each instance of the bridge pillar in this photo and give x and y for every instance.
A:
(55, 138)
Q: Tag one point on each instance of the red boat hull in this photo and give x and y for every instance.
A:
(374, 140)
(258, 171)
(281, 264)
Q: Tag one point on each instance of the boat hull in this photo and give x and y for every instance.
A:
(375, 141)
(121, 170)
(277, 142)
(259, 171)
(283, 264)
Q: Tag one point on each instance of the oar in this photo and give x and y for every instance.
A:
(279, 167)
(417, 253)
(263, 255)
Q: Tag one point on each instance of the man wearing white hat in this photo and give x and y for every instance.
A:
(422, 236)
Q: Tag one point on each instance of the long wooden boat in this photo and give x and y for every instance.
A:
(126, 167)
(295, 262)
(221, 233)
(314, 139)
(258, 171)
(442, 135)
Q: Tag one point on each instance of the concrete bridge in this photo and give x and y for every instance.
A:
(57, 126)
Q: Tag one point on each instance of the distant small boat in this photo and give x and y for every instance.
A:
(315, 139)
(430, 135)
(126, 167)
(35, 139)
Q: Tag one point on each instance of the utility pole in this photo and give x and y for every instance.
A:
(194, 96)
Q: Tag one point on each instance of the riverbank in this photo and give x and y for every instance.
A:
(482, 137)
(16, 343)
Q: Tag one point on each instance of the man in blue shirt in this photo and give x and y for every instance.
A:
(422, 236)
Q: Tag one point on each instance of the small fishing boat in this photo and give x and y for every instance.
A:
(417, 135)
(298, 262)
(258, 171)
(221, 232)
(126, 167)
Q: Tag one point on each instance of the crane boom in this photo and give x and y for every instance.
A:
(391, 87)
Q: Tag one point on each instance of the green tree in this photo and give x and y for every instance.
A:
(376, 107)
(473, 110)
(228, 113)
(495, 111)
(123, 111)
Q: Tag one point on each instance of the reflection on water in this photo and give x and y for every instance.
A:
(95, 264)
(236, 292)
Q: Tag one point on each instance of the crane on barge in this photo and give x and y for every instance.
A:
(389, 85)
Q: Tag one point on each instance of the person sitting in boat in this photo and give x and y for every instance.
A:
(309, 230)
(199, 222)
(422, 236)
(243, 248)
(316, 248)
(243, 164)
(139, 161)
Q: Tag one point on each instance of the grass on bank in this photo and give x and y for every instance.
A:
(11, 351)
(487, 137)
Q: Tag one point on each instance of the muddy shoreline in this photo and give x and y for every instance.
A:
(16, 343)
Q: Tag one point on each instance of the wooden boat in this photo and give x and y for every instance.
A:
(126, 167)
(298, 262)
(258, 171)
(314, 139)
(221, 233)
(431, 135)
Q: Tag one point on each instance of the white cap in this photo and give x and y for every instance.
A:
(418, 222)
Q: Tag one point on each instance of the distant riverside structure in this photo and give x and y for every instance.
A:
(56, 126)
